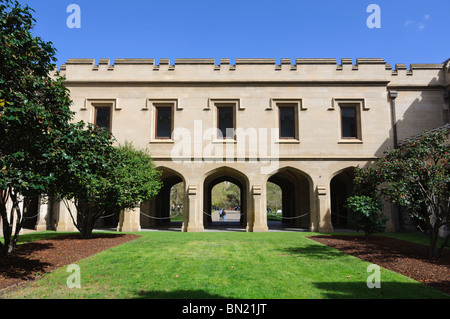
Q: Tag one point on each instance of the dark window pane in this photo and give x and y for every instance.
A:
(164, 122)
(348, 122)
(103, 117)
(225, 121)
(287, 122)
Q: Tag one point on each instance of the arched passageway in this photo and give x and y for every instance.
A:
(166, 208)
(237, 216)
(340, 189)
(295, 207)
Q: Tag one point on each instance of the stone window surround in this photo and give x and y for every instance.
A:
(151, 105)
(297, 103)
(360, 105)
(90, 105)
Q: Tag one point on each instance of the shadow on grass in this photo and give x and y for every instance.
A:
(25, 238)
(22, 265)
(387, 290)
(313, 251)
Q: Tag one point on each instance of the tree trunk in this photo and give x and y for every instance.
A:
(14, 223)
(434, 251)
(86, 225)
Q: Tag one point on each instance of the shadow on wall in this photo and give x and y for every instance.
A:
(425, 112)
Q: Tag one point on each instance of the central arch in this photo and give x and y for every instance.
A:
(234, 176)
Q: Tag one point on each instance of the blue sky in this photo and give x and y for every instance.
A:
(413, 31)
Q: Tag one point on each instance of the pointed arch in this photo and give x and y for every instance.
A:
(218, 175)
(341, 185)
(157, 211)
(296, 198)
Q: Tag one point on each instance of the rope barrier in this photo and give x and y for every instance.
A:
(108, 215)
(291, 217)
(154, 217)
(28, 217)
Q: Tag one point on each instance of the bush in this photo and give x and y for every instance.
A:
(365, 214)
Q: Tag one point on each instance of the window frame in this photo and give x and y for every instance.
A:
(295, 122)
(97, 106)
(233, 113)
(165, 106)
(357, 108)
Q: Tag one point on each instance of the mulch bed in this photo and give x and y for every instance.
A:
(33, 259)
(407, 258)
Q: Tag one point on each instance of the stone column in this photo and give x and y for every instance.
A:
(194, 218)
(43, 211)
(323, 209)
(130, 220)
(259, 211)
(64, 221)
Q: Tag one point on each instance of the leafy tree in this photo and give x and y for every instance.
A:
(84, 165)
(133, 180)
(225, 195)
(98, 177)
(417, 177)
(274, 196)
(34, 110)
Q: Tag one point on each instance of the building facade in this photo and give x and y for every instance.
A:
(303, 124)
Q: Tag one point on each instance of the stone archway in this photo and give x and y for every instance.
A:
(157, 211)
(340, 189)
(296, 197)
(236, 177)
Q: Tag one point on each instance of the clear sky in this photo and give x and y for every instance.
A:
(411, 31)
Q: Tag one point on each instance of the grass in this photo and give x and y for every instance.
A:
(275, 265)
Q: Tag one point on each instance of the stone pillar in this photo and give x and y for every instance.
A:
(42, 217)
(323, 209)
(64, 221)
(259, 211)
(194, 212)
(130, 220)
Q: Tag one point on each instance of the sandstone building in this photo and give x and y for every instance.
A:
(303, 124)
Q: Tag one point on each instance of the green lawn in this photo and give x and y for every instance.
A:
(275, 265)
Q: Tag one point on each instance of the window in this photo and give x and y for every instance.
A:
(287, 122)
(103, 117)
(163, 122)
(350, 122)
(225, 121)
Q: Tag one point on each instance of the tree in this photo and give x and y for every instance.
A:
(274, 196)
(417, 178)
(83, 166)
(34, 110)
(133, 180)
(98, 177)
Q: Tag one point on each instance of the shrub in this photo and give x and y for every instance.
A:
(365, 214)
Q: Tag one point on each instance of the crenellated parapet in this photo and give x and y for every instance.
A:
(258, 70)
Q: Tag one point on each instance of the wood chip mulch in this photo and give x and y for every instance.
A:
(407, 258)
(33, 259)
